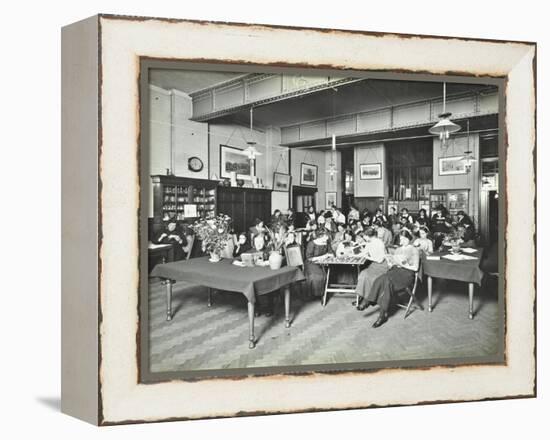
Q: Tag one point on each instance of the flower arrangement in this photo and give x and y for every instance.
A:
(277, 236)
(454, 240)
(214, 232)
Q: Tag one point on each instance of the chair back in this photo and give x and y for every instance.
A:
(294, 256)
(189, 248)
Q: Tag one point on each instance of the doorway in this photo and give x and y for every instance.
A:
(493, 217)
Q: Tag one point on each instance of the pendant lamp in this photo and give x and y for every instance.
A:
(445, 126)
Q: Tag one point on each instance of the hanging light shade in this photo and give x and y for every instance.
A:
(251, 151)
(468, 157)
(445, 127)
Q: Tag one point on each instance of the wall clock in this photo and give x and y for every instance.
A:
(195, 164)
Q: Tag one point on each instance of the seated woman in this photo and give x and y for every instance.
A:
(403, 264)
(338, 236)
(465, 228)
(258, 228)
(423, 243)
(355, 227)
(383, 234)
(259, 244)
(366, 220)
(467, 236)
(441, 225)
(380, 218)
(171, 235)
(277, 218)
(315, 275)
(375, 250)
(242, 245)
(310, 228)
(346, 247)
(422, 219)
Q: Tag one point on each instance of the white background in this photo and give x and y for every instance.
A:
(30, 217)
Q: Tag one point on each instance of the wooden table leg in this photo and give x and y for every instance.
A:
(168, 284)
(209, 297)
(429, 294)
(471, 299)
(326, 287)
(287, 306)
(251, 340)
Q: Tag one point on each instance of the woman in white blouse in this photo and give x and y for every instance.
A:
(403, 264)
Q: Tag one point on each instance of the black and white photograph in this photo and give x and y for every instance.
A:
(281, 182)
(398, 266)
(308, 174)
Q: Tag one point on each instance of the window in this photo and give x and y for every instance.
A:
(410, 169)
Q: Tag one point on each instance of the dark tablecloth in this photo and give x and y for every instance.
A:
(467, 270)
(226, 276)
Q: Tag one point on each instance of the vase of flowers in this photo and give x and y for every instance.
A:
(454, 241)
(277, 236)
(214, 233)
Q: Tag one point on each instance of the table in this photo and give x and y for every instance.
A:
(465, 270)
(331, 260)
(250, 281)
(163, 251)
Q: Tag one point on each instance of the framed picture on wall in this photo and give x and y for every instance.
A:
(308, 175)
(370, 171)
(451, 165)
(281, 182)
(235, 159)
(330, 200)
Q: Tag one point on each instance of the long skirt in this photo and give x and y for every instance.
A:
(315, 279)
(367, 276)
(386, 286)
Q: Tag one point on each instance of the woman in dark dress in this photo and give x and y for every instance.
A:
(441, 225)
(315, 275)
(171, 235)
(422, 219)
(242, 245)
(403, 264)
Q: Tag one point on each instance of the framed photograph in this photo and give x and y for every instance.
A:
(235, 159)
(370, 171)
(281, 182)
(330, 200)
(451, 165)
(308, 174)
(178, 340)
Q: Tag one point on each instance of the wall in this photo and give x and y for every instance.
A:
(277, 161)
(456, 147)
(189, 138)
(159, 135)
(375, 153)
(236, 136)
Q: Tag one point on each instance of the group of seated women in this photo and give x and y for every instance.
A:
(361, 233)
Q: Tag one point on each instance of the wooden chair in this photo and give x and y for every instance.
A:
(189, 248)
(294, 257)
(413, 302)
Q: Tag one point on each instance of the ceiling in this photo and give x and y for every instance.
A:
(188, 81)
(364, 95)
(360, 96)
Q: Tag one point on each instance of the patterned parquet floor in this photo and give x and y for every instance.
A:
(199, 337)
